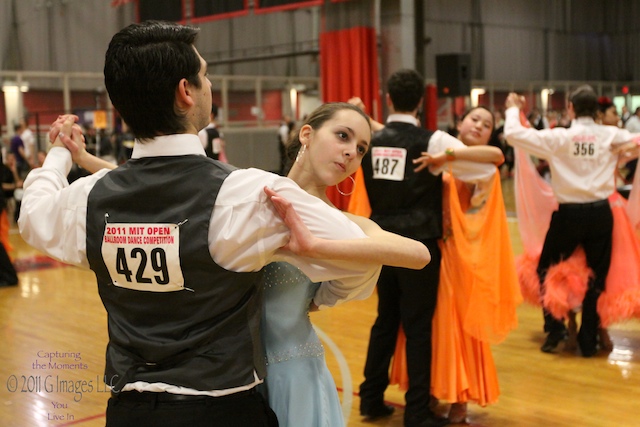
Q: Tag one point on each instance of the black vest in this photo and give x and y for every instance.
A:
(205, 337)
(411, 207)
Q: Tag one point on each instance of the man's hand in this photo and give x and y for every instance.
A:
(515, 100)
(66, 133)
(627, 151)
(357, 102)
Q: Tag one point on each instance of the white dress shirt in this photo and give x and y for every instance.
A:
(245, 232)
(633, 123)
(29, 141)
(580, 158)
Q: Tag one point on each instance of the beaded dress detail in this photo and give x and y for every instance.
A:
(299, 386)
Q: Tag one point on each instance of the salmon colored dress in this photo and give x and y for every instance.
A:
(477, 299)
(566, 282)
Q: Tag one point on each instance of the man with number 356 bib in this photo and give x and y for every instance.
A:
(583, 161)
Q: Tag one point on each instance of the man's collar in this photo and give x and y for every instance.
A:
(180, 144)
(405, 118)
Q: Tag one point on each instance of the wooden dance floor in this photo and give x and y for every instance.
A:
(53, 333)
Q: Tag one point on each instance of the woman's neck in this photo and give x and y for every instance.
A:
(307, 183)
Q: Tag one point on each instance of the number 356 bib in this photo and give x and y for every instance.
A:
(388, 163)
(143, 257)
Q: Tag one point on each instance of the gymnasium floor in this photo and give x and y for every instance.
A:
(53, 336)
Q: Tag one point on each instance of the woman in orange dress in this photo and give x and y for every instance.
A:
(478, 291)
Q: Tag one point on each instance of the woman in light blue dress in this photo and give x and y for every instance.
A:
(300, 388)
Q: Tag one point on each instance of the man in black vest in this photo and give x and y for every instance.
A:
(177, 241)
(408, 202)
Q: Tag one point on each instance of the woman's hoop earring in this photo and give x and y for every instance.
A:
(300, 152)
(353, 187)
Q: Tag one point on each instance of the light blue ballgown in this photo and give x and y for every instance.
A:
(299, 386)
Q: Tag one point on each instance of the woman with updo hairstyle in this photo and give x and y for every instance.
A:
(327, 149)
(607, 112)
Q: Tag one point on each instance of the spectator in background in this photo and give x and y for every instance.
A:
(211, 138)
(29, 141)
(90, 137)
(497, 140)
(632, 125)
(104, 147)
(537, 120)
(8, 275)
(11, 181)
(286, 126)
(17, 148)
(564, 121)
(625, 115)
(123, 144)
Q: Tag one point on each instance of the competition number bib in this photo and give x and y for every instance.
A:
(143, 257)
(388, 163)
(583, 147)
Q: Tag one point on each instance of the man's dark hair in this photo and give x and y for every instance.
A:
(585, 101)
(406, 89)
(143, 66)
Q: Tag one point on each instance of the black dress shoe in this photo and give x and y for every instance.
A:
(588, 349)
(377, 412)
(552, 341)
(432, 421)
(7, 284)
(589, 352)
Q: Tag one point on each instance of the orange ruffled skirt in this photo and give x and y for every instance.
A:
(566, 282)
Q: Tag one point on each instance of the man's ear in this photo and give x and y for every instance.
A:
(184, 100)
(388, 100)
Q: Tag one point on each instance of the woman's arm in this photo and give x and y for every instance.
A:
(476, 154)
(382, 247)
(386, 248)
(75, 144)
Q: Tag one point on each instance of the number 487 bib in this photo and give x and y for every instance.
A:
(143, 257)
(388, 163)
